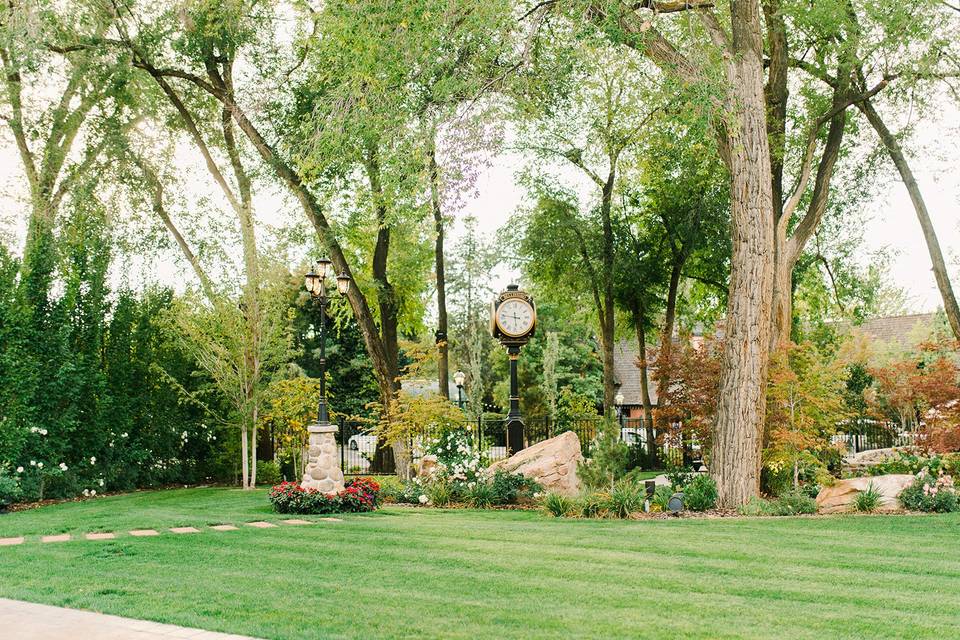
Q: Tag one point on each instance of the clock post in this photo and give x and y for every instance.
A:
(513, 319)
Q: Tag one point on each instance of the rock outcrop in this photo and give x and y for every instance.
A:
(841, 496)
(857, 463)
(552, 463)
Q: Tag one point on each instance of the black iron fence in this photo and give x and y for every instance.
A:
(650, 448)
(864, 434)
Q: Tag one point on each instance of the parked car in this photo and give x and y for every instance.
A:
(363, 443)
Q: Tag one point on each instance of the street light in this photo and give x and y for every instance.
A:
(315, 282)
(618, 403)
(459, 378)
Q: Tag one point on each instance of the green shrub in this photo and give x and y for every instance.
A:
(608, 458)
(905, 462)
(507, 488)
(558, 505)
(680, 476)
(391, 489)
(268, 473)
(931, 493)
(592, 505)
(481, 495)
(796, 503)
(868, 500)
(789, 504)
(700, 494)
(439, 492)
(625, 498)
(9, 488)
(661, 497)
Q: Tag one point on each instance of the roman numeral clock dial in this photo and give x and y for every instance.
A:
(515, 317)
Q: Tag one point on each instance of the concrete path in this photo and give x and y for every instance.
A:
(28, 621)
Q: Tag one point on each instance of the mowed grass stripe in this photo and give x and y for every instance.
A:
(403, 572)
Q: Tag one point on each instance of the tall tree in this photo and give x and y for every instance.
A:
(741, 136)
(593, 128)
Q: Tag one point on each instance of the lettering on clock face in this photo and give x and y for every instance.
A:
(515, 317)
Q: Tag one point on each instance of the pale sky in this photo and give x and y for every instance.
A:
(497, 196)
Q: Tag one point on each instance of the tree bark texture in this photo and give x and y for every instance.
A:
(740, 416)
(443, 354)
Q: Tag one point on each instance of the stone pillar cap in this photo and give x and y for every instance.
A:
(322, 428)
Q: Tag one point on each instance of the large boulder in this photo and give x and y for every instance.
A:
(840, 497)
(857, 463)
(427, 468)
(552, 463)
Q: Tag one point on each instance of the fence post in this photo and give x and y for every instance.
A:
(342, 424)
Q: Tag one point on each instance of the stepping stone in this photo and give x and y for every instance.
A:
(261, 525)
(295, 521)
(184, 530)
(100, 536)
(63, 537)
(142, 533)
(223, 527)
(9, 542)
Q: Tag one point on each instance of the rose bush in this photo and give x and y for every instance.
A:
(931, 492)
(358, 495)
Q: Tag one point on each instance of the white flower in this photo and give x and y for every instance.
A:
(63, 467)
(19, 469)
(34, 429)
(93, 492)
(101, 482)
(93, 459)
(86, 492)
(123, 435)
(33, 463)
(536, 495)
(39, 465)
(423, 499)
(43, 432)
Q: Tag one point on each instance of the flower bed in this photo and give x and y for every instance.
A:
(359, 495)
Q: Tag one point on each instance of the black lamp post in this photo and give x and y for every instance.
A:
(459, 378)
(316, 283)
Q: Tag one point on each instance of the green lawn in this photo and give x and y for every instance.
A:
(403, 572)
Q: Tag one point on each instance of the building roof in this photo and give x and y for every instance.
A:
(627, 374)
(899, 330)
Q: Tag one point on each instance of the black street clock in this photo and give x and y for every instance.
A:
(513, 320)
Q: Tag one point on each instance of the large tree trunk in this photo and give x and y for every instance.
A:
(929, 233)
(443, 355)
(608, 317)
(740, 415)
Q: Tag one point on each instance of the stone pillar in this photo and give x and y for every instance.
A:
(323, 467)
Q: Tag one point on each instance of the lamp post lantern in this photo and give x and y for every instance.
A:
(323, 472)
(513, 320)
(459, 377)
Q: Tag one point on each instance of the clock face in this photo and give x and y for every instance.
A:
(515, 317)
